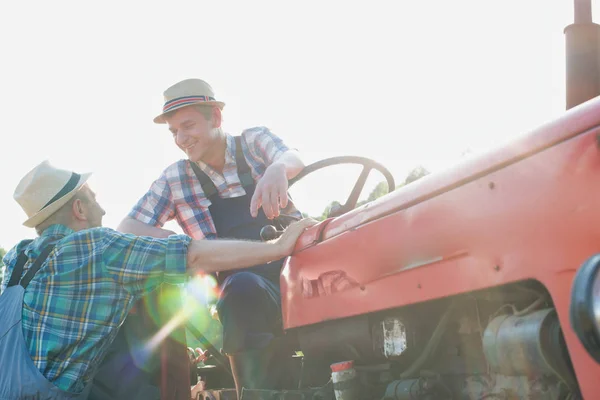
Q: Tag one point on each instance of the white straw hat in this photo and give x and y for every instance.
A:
(44, 190)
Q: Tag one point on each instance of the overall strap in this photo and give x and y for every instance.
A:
(243, 169)
(18, 269)
(36, 266)
(21, 261)
(208, 187)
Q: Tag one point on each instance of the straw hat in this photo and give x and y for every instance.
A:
(186, 93)
(44, 190)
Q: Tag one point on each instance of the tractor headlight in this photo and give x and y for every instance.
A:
(585, 306)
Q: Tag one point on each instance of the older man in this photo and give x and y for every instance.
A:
(71, 288)
(227, 187)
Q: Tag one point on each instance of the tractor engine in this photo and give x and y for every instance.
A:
(502, 343)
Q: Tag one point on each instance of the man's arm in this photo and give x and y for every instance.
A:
(154, 209)
(142, 263)
(221, 255)
(271, 189)
(291, 163)
(130, 225)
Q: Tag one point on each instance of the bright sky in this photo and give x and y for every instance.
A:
(403, 82)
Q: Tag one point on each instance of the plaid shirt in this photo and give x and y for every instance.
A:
(177, 193)
(81, 295)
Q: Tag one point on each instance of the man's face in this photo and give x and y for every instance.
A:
(93, 211)
(192, 132)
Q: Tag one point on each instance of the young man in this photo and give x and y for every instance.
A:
(227, 187)
(69, 290)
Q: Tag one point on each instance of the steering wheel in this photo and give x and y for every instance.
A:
(352, 200)
(269, 232)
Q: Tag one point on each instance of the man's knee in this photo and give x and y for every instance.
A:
(244, 282)
(246, 289)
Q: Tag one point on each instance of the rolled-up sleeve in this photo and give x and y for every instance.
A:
(142, 263)
(156, 207)
(264, 144)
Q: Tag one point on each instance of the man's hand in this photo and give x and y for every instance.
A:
(197, 355)
(196, 389)
(211, 256)
(287, 241)
(271, 192)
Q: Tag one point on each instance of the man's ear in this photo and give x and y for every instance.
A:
(216, 117)
(79, 210)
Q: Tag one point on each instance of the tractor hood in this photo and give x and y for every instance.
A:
(573, 122)
(483, 223)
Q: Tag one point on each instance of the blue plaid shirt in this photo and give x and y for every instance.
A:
(177, 193)
(83, 292)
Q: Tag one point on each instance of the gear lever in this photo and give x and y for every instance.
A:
(270, 232)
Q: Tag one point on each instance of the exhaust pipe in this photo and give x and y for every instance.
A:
(582, 40)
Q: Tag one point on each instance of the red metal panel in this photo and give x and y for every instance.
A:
(573, 122)
(530, 211)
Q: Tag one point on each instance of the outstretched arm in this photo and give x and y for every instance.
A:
(142, 263)
(221, 255)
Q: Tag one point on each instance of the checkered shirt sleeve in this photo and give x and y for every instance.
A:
(264, 147)
(141, 263)
(157, 207)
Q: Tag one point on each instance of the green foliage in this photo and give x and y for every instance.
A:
(379, 190)
(416, 173)
(332, 205)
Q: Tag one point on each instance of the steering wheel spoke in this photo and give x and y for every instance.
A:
(352, 200)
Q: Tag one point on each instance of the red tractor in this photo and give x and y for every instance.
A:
(478, 282)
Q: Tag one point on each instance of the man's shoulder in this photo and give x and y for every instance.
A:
(93, 236)
(109, 237)
(98, 231)
(86, 236)
(175, 170)
(11, 255)
(259, 137)
(21, 245)
(254, 132)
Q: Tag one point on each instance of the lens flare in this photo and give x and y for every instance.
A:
(186, 304)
